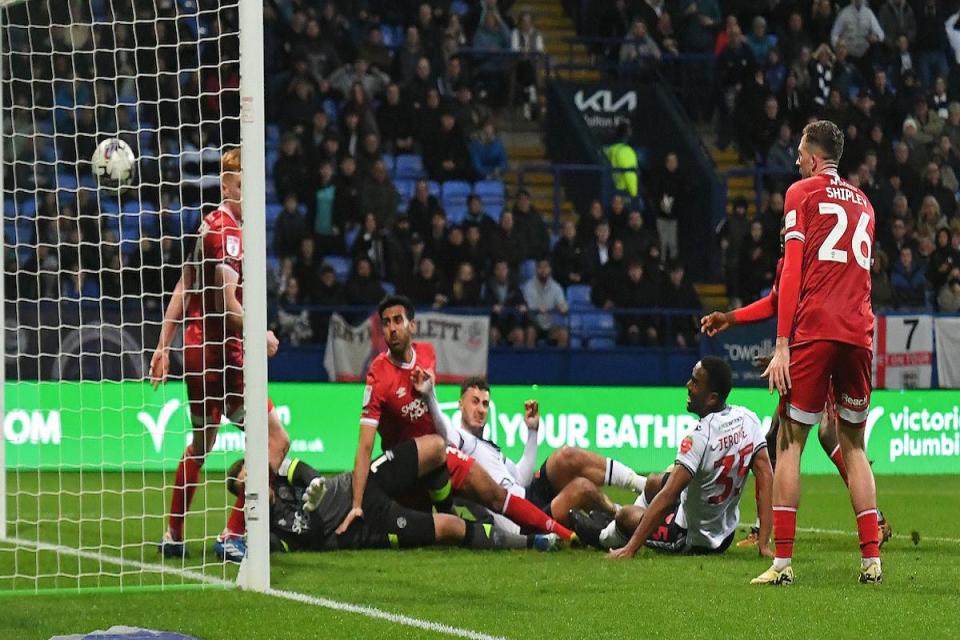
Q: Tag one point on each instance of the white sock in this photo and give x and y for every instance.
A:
(620, 475)
(756, 525)
(611, 538)
(641, 501)
(780, 563)
(866, 562)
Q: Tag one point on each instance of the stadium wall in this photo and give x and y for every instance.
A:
(908, 432)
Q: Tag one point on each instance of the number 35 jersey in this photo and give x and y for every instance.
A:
(835, 223)
(718, 454)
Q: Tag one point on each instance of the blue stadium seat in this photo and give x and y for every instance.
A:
(341, 266)
(409, 166)
(456, 213)
(109, 206)
(350, 236)
(406, 189)
(390, 162)
(578, 296)
(9, 208)
(491, 192)
(273, 212)
(190, 220)
(273, 263)
(602, 343)
(271, 159)
(273, 135)
(528, 269)
(389, 287)
(454, 193)
(433, 188)
(27, 208)
(67, 181)
(599, 324)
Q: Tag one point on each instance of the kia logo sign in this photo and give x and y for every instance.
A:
(604, 101)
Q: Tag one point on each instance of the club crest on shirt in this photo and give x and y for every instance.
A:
(233, 246)
(686, 444)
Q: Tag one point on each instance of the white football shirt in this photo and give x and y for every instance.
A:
(718, 453)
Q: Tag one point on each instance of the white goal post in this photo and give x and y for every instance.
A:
(90, 453)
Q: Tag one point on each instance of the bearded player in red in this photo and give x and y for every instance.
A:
(392, 407)
(824, 335)
(211, 291)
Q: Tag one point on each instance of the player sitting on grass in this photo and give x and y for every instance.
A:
(569, 479)
(695, 508)
(306, 508)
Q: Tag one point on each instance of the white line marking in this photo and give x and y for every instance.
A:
(369, 612)
(841, 532)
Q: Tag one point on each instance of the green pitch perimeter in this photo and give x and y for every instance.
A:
(570, 594)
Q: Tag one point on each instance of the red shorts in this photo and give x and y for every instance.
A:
(814, 366)
(213, 373)
(458, 465)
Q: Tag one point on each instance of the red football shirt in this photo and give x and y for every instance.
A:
(220, 243)
(389, 402)
(835, 223)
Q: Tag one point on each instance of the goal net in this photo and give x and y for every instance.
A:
(88, 473)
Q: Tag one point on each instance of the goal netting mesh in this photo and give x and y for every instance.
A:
(91, 447)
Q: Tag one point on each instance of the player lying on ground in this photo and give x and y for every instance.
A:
(210, 289)
(392, 407)
(695, 508)
(824, 337)
(569, 479)
(306, 508)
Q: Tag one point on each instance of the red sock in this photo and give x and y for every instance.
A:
(237, 523)
(524, 513)
(784, 530)
(837, 457)
(869, 532)
(184, 486)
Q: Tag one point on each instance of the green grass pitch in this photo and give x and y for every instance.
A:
(570, 594)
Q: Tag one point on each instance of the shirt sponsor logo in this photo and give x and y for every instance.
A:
(414, 410)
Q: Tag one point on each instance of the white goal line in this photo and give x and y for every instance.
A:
(326, 603)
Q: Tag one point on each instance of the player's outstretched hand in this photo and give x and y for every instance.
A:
(355, 513)
(273, 344)
(714, 323)
(531, 414)
(778, 371)
(159, 367)
(620, 554)
(422, 381)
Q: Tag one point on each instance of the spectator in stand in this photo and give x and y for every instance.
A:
(450, 261)
(794, 38)
(772, 220)
(639, 51)
(396, 121)
(465, 288)
(527, 42)
(374, 51)
(547, 302)
(493, 37)
(614, 24)
(734, 68)
(897, 19)
(408, 56)
(367, 155)
(775, 74)
(678, 293)
(948, 296)
(734, 229)
(767, 129)
(477, 216)
(306, 266)
(932, 185)
(300, 105)
(608, 280)
(379, 196)
(454, 78)
(508, 317)
(939, 101)
(431, 32)
(567, 256)
(759, 41)
(669, 194)
(446, 156)
(857, 24)
(929, 219)
(329, 148)
(421, 208)
(623, 160)
(371, 244)
(821, 74)
(373, 80)
(881, 292)
(470, 114)
(488, 155)
(903, 169)
(846, 76)
(427, 286)
(423, 82)
(934, 30)
(756, 264)
(427, 119)
(598, 253)
(530, 226)
(288, 229)
(908, 281)
(636, 292)
(508, 243)
(475, 251)
(436, 239)
(311, 140)
(317, 51)
(291, 170)
(781, 159)
(363, 288)
(328, 292)
(346, 200)
(587, 223)
(617, 214)
(636, 239)
(944, 259)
